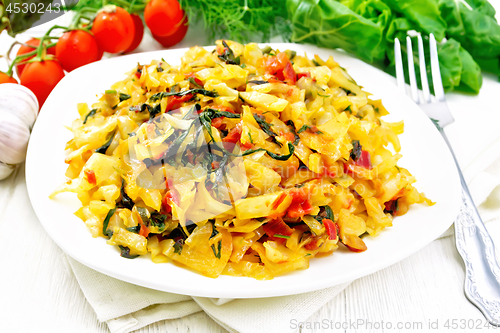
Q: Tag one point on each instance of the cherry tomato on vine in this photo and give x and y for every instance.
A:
(175, 38)
(26, 49)
(113, 29)
(163, 17)
(41, 77)
(4, 78)
(77, 48)
(138, 33)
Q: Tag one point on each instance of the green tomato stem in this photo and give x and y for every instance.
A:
(19, 58)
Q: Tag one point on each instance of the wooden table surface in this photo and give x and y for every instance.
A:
(423, 293)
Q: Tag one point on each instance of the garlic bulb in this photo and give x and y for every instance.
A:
(6, 170)
(18, 112)
(14, 136)
(20, 101)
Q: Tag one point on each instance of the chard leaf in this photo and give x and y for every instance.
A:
(125, 252)
(158, 96)
(90, 114)
(105, 230)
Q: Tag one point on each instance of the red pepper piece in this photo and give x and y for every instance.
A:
(331, 229)
(90, 175)
(234, 135)
(301, 75)
(144, 231)
(289, 73)
(301, 205)
(174, 102)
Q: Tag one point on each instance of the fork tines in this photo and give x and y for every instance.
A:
(436, 75)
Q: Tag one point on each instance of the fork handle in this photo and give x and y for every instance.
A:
(475, 246)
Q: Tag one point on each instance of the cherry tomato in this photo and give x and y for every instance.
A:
(41, 77)
(163, 17)
(4, 78)
(175, 38)
(138, 33)
(26, 49)
(77, 48)
(113, 29)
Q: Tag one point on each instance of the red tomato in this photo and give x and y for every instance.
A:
(163, 17)
(138, 33)
(301, 75)
(175, 102)
(289, 73)
(175, 38)
(77, 48)
(330, 228)
(217, 123)
(4, 78)
(41, 77)
(277, 63)
(26, 49)
(113, 29)
(301, 204)
(234, 135)
(144, 231)
(277, 229)
(364, 160)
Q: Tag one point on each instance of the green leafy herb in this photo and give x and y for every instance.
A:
(281, 236)
(155, 111)
(258, 82)
(215, 232)
(90, 114)
(309, 128)
(124, 97)
(250, 137)
(135, 229)
(194, 83)
(178, 246)
(125, 252)
(243, 66)
(228, 55)
(266, 127)
(105, 230)
(104, 147)
(158, 220)
(278, 157)
(214, 113)
(218, 253)
(110, 91)
(356, 150)
(291, 125)
(156, 97)
(125, 202)
(159, 69)
(143, 213)
(324, 96)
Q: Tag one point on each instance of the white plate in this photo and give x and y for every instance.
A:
(424, 154)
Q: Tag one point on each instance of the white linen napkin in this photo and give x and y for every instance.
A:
(126, 307)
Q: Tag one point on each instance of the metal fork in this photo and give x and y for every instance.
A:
(474, 244)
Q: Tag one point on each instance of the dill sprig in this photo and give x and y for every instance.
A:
(240, 20)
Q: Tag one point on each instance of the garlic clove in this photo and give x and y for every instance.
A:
(14, 137)
(19, 101)
(6, 170)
